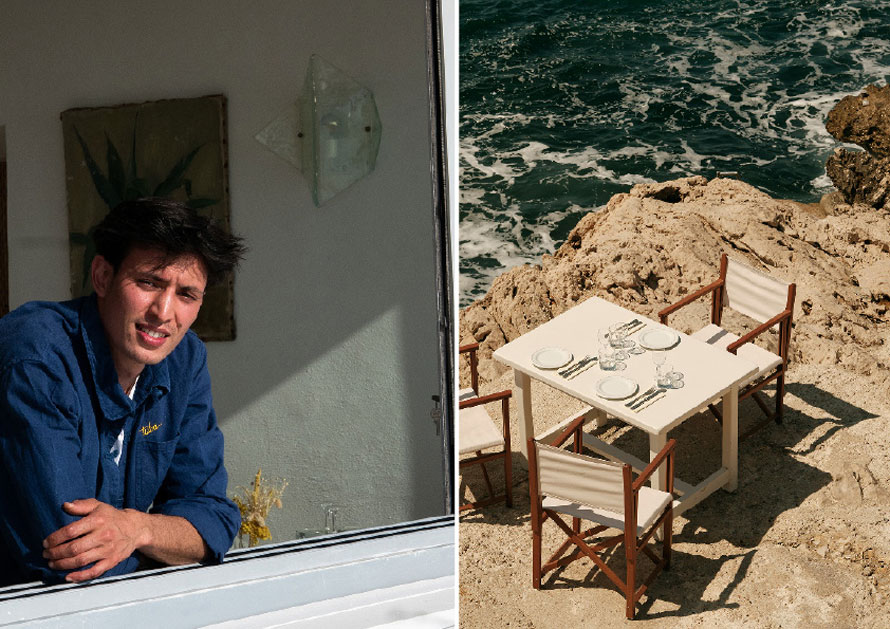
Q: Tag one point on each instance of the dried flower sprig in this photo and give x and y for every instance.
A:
(255, 505)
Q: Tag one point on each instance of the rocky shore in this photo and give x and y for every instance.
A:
(804, 540)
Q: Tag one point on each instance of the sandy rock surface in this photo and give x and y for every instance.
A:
(805, 540)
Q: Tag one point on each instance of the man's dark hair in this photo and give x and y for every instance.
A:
(171, 227)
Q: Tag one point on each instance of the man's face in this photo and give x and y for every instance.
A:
(146, 308)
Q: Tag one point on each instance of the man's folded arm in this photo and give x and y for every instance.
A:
(40, 467)
(196, 483)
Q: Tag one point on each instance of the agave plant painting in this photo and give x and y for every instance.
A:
(169, 148)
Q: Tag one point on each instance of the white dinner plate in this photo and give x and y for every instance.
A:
(551, 358)
(616, 387)
(658, 338)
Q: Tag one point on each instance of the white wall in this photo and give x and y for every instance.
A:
(329, 381)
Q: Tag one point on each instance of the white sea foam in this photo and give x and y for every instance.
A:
(470, 195)
(497, 168)
(822, 183)
(738, 78)
(693, 158)
(509, 242)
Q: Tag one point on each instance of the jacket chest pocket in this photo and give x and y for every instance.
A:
(151, 462)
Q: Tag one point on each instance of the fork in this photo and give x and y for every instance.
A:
(630, 324)
(652, 400)
(639, 397)
(565, 372)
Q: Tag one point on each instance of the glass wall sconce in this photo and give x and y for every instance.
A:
(332, 133)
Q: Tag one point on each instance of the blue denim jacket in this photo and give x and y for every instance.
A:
(61, 409)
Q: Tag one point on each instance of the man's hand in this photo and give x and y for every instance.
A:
(103, 536)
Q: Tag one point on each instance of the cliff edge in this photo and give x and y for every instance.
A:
(649, 247)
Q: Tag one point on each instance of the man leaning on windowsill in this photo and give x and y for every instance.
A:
(110, 453)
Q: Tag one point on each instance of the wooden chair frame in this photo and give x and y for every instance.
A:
(634, 545)
(783, 319)
(481, 459)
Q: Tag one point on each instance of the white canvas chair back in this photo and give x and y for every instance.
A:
(753, 293)
(581, 479)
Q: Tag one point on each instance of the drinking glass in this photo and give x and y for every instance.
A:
(607, 356)
(663, 373)
(331, 511)
(676, 379)
(658, 358)
(617, 339)
(617, 335)
(603, 336)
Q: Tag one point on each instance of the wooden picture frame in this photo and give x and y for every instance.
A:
(173, 148)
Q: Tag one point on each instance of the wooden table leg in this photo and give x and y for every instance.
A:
(659, 476)
(597, 417)
(522, 393)
(731, 437)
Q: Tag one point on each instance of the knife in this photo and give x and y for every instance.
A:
(636, 405)
(639, 398)
(661, 393)
(630, 324)
(634, 328)
(581, 363)
(583, 367)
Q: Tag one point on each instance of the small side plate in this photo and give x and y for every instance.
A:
(616, 388)
(658, 338)
(551, 358)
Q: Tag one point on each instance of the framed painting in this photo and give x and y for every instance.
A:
(173, 148)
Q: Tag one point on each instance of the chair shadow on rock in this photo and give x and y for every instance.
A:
(772, 479)
(839, 414)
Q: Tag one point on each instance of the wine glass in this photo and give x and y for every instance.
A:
(617, 336)
(659, 359)
(607, 354)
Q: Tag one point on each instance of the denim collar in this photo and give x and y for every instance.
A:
(154, 381)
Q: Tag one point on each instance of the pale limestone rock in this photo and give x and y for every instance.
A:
(649, 247)
(805, 539)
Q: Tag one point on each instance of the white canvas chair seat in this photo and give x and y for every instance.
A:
(477, 431)
(652, 504)
(765, 360)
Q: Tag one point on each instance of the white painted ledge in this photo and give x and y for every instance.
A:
(395, 576)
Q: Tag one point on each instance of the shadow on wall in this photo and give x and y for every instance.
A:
(337, 344)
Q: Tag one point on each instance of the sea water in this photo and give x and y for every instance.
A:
(564, 103)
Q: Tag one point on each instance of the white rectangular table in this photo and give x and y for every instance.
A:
(709, 373)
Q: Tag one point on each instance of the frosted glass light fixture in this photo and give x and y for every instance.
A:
(333, 131)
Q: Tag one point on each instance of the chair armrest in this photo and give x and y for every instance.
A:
(570, 429)
(666, 451)
(763, 327)
(485, 399)
(474, 364)
(663, 314)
